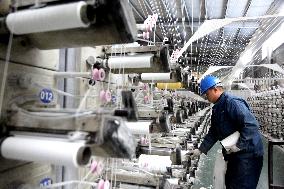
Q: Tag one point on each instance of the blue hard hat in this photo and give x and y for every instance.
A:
(208, 82)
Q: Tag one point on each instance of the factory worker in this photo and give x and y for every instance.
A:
(231, 114)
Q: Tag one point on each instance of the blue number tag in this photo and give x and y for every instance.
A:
(113, 99)
(45, 182)
(46, 95)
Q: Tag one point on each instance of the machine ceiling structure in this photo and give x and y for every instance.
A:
(179, 19)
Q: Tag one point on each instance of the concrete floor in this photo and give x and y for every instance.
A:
(204, 176)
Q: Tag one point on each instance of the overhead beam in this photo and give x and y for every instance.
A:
(245, 13)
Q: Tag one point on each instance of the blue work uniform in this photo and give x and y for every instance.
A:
(231, 114)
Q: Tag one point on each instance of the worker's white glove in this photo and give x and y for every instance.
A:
(232, 149)
(195, 153)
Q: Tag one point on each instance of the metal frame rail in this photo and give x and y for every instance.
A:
(270, 164)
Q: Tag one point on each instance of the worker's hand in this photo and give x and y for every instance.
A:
(233, 149)
(195, 153)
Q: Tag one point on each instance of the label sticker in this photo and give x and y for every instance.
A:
(46, 95)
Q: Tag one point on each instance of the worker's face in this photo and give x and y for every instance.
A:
(212, 95)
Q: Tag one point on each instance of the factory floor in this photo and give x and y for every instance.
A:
(204, 175)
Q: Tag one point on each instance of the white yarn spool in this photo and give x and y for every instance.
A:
(231, 140)
(152, 20)
(106, 184)
(44, 150)
(138, 61)
(147, 24)
(154, 163)
(155, 16)
(183, 154)
(146, 35)
(141, 27)
(139, 128)
(155, 76)
(47, 19)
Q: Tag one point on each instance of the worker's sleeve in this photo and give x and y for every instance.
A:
(209, 140)
(245, 121)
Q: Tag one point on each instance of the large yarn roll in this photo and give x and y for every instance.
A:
(137, 61)
(45, 150)
(155, 76)
(72, 15)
